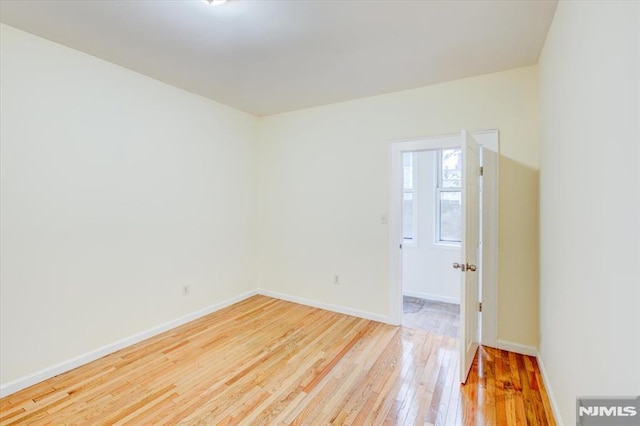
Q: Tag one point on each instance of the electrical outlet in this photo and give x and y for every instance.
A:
(185, 290)
(336, 280)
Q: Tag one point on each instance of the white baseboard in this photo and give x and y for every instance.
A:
(325, 306)
(429, 296)
(49, 372)
(547, 385)
(517, 348)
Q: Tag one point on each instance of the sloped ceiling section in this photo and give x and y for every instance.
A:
(267, 57)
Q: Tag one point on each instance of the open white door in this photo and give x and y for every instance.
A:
(469, 295)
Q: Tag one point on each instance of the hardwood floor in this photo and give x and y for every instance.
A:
(428, 315)
(266, 361)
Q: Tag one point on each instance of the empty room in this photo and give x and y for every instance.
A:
(275, 212)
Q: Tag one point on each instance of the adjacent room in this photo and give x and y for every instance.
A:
(431, 237)
(318, 212)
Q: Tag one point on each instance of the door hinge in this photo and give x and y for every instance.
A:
(480, 307)
(481, 171)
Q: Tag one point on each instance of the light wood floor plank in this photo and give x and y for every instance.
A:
(265, 361)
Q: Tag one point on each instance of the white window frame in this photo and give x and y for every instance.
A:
(438, 191)
(412, 242)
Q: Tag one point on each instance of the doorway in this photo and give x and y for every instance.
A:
(431, 237)
(477, 262)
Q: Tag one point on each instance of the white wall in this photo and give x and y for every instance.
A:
(324, 185)
(590, 202)
(116, 191)
(426, 267)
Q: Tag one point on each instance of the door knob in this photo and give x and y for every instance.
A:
(465, 267)
(462, 267)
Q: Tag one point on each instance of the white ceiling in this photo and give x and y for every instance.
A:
(271, 56)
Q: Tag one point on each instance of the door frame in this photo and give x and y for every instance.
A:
(488, 140)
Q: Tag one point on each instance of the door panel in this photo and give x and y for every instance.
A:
(469, 267)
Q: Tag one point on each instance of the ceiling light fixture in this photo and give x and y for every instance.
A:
(215, 2)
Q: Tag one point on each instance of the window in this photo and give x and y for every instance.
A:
(409, 214)
(449, 197)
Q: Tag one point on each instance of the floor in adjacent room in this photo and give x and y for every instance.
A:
(267, 361)
(428, 315)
